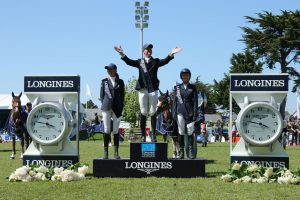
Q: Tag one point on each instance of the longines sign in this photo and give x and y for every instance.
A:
(148, 167)
(258, 82)
(51, 83)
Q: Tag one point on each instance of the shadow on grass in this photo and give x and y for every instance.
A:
(214, 174)
(210, 161)
(5, 150)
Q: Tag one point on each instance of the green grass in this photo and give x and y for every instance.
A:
(210, 187)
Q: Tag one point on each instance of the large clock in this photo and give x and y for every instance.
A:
(48, 123)
(259, 124)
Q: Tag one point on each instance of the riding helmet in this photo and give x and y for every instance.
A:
(185, 70)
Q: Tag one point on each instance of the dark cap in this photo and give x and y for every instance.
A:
(111, 66)
(146, 46)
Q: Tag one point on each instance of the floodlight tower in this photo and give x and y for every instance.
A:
(141, 19)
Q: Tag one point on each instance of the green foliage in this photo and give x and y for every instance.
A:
(131, 105)
(275, 40)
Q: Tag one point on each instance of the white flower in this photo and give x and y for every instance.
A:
(236, 166)
(262, 180)
(40, 177)
(32, 173)
(21, 172)
(272, 180)
(81, 176)
(58, 170)
(56, 177)
(254, 180)
(26, 168)
(246, 179)
(68, 175)
(287, 173)
(42, 169)
(252, 168)
(237, 180)
(83, 170)
(295, 180)
(226, 178)
(269, 172)
(13, 177)
(27, 178)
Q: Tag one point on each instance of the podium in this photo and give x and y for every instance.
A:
(149, 159)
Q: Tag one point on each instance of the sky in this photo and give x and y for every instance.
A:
(56, 37)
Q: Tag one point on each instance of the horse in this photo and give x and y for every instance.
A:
(16, 124)
(169, 125)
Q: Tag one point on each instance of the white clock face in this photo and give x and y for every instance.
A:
(47, 123)
(260, 123)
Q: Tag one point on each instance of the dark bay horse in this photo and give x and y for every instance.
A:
(16, 124)
(169, 125)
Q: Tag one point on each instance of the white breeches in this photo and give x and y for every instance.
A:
(148, 102)
(107, 117)
(182, 126)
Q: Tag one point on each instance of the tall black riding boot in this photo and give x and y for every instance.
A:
(153, 126)
(181, 146)
(143, 127)
(116, 146)
(190, 146)
(106, 141)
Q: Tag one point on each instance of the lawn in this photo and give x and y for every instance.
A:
(210, 187)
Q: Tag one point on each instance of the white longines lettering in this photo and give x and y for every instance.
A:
(50, 84)
(274, 164)
(148, 167)
(258, 83)
(50, 163)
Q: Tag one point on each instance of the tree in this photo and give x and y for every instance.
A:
(240, 63)
(131, 109)
(276, 41)
(89, 104)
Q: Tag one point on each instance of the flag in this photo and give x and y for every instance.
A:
(88, 92)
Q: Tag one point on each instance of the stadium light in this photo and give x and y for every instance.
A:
(141, 19)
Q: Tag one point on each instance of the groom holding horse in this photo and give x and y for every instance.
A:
(148, 83)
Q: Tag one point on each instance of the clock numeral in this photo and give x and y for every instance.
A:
(54, 136)
(59, 116)
(54, 110)
(260, 138)
(274, 131)
(35, 131)
(40, 136)
(40, 110)
(35, 116)
(47, 109)
(268, 110)
(268, 136)
(252, 136)
(247, 131)
(59, 131)
(259, 108)
(61, 123)
(247, 116)
(276, 123)
(47, 138)
(245, 123)
(252, 111)
(273, 116)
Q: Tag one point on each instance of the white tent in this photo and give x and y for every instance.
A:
(6, 99)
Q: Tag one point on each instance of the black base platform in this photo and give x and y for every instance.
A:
(167, 168)
(149, 159)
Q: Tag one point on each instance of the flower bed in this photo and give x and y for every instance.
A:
(42, 173)
(257, 174)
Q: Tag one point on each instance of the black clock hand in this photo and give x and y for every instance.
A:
(259, 123)
(47, 124)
